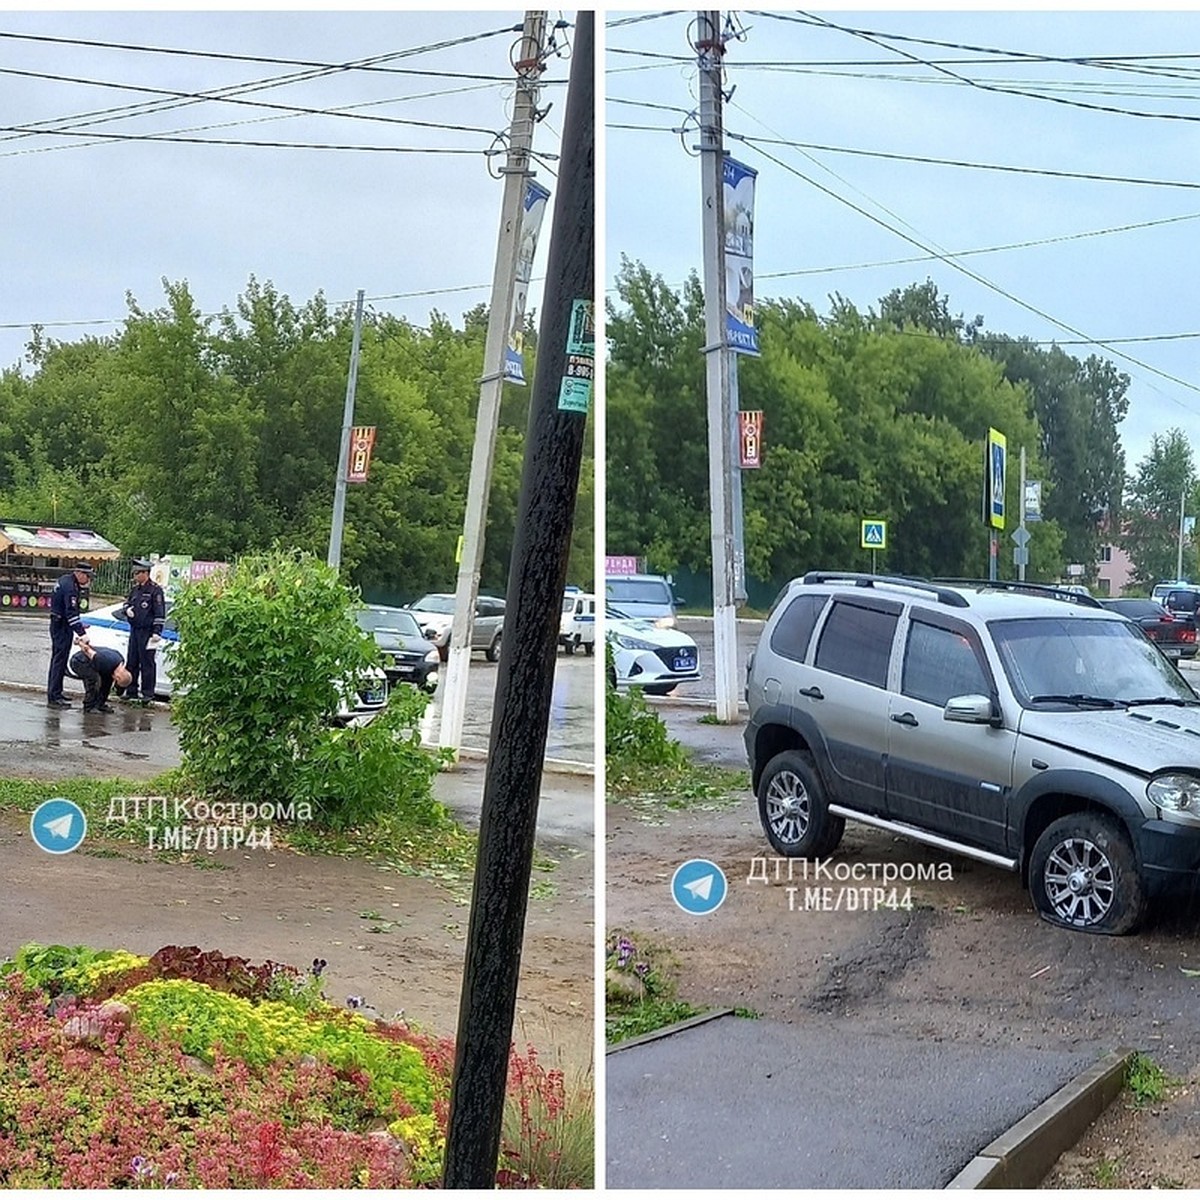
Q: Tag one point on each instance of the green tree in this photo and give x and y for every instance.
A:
(1164, 478)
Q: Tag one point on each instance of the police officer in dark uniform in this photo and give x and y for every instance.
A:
(65, 626)
(146, 609)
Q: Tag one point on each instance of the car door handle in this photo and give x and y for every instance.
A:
(813, 693)
(905, 719)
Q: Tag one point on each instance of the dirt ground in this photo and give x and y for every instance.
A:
(970, 960)
(397, 940)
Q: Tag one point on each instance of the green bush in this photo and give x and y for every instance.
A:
(268, 652)
(634, 736)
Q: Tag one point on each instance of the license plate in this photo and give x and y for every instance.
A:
(375, 696)
(685, 662)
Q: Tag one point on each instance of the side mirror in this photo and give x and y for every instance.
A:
(969, 710)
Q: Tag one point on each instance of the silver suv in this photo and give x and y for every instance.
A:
(1027, 727)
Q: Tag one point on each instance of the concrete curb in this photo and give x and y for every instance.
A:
(1024, 1155)
(655, 1034)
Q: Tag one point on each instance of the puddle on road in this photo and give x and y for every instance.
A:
(25, 718)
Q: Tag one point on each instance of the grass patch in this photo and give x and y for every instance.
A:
(700, 787)
(639, 989)
(444, 852)
(1107, 1172)
(1146, 1080)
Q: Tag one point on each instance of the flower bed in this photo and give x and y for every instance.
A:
(194, 1069)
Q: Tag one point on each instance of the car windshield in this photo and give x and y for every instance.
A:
(638, 591)
(435, 604)
(568, 604)
(371, 620)
(1059, 662)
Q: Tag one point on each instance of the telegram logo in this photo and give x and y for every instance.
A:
(58, 826)
(699, 887)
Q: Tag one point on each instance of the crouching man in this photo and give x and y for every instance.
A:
(98, 671)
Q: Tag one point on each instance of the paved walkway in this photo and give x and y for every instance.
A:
(761, 1104)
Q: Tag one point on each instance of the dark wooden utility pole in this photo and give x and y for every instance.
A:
(525, 681)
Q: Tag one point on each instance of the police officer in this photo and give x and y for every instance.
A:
(146, 609)
(65, 626)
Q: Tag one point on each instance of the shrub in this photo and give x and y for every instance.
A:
(634, 736)
(79, 970)
(267, 651)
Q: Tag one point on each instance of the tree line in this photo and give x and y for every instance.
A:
(882, 414)
(218, 436)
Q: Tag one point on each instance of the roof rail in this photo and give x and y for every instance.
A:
(1034, 589)
(943, 595)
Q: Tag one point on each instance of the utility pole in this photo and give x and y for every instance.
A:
(516, 171)
(525, 681)
(339, 493)
(710, 52)
(1179, 555)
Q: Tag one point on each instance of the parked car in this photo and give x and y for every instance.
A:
(648, 656)
(1183, 600)
(107, 629)
(1026, 727)
(577, 626)
(408, 655)
(1173, 633)
(1160, 589)
(435, 615)
(649, 596)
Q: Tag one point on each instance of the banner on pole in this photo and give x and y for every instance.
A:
(740, 333)
(362, 439)
(750, 427)
(532, 211)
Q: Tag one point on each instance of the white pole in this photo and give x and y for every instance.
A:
(710, 51)
(339, 492)
(516, 173)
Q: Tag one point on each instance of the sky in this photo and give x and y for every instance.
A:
(86, 220)
(826, 218)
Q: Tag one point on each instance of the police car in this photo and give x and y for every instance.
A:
(648, 656)
(108, 629)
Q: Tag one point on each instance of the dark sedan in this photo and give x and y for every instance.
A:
(408, 655)
(1174, 633)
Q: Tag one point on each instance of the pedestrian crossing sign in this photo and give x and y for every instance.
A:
(874, 535)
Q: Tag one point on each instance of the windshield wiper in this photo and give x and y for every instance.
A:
(1175, 700)
(1079, 699)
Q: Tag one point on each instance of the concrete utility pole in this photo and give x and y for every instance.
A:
(525, 682)
(339, 493)
(516, 171)
(719, 366)
(1182, 521)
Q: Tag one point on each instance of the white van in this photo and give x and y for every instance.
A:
(577, 626)
(649, 597)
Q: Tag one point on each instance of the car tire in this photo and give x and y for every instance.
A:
(493, 650)
(569, 646)
(589, 648)
(1083, 875)
(659, 689)
(793, 810)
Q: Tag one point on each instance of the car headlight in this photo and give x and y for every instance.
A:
(1179, 793)
(433, 657)
(631, 643)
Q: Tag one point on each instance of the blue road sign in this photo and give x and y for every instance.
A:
(699, 887)
(58, 826)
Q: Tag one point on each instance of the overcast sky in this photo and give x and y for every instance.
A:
(797, 81)
(86, 219)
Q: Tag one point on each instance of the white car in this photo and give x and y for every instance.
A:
(647, 656)
(107, 629)
(435, 615)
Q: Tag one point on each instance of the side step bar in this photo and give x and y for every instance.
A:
(930, 839)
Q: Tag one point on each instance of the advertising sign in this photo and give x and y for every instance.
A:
(362, 438)
(750, 426)
(532, 211)
(740, 333)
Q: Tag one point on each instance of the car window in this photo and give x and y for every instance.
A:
(939, 664)
(435, 604)
(857, 642)
(1181, 601)
(793, 631)
(638, 591)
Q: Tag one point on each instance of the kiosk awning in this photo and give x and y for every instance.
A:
(47, 541)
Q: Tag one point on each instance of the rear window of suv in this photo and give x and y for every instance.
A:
(857, 642)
